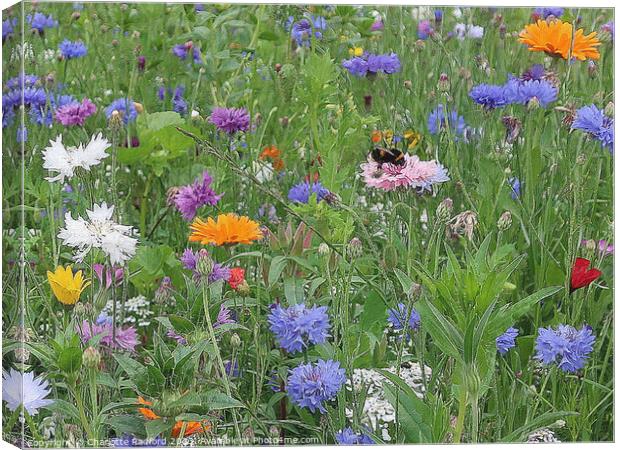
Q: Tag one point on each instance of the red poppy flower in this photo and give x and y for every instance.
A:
(237, 276)
(581, 276)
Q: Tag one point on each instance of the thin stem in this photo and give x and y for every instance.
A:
(460, 420)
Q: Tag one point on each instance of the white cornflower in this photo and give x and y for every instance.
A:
(100, 231)
(463, 31)
(65, 160)
(262, 171)
(24, 389)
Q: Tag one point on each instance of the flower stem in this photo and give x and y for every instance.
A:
(460, 420)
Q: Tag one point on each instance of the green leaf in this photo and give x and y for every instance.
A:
(131, 367)
(215, 400)
(157, 427)
(278, 264)
(65, 409)
(181, 324)
(126, 424)
(70, 359)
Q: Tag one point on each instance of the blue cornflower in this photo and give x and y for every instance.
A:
(438, 16)
(543, 13)
(22, 134)
(425, 30)
(536, 72)
(310, 385)
(183, 50)
(521, 92)
(515, 187)
(72, 50)
(567, 347)
(506, 341)
(43, 114)
(370, 64)
(594, 122)
(40, 21)
(490, 96)
(297, 326)
(22, 81)
(357, 66)
(438, 121)
(398, 318)
(300, 193)
(302, 30)
(349, 437)
(8, 28)
(125, 107)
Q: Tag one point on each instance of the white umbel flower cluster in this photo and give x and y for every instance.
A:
(65, 160)
(99, 231)
(137, 311)
(378, 413)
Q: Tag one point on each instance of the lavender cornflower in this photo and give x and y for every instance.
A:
(515, 187)
(225, 316)
(230, 120)
(189, 198)
(605, 28)
(522, 92)
(349, 437)
(176, 336)
(40, 22)
(567, 347)
(536, 72)
(183, 50)
(425, 30)
(490, 96)
(126, 338)
(598, 125)
(397, 318)
(72, 50)
(21, 81)
(369, 64)
(310, 385)
(438, 121)
(126, 108)
(377, 25)
(302, 30)
(506, 341)
(300, 193)
(75, 113)
(604, 247)
(297, 326)
(218, 272)
(8, 28)
(543, 13)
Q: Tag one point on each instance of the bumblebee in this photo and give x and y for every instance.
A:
(388, 155)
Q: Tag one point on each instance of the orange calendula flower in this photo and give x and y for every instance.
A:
(376, 136)
(272, 152)
(190, 427)
(226, 229)
(555, 38)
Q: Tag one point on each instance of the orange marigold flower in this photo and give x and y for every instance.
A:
(272, 152)
(376, 136)
(227, 229)
(190, 427)
(554, 38)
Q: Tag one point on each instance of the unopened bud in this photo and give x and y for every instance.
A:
(284, 121)
(444, 210)
(139, 107)
(592, 69)
(204, 265)
(407, 84)
(76, 15)
(354, 248)
(581, 159)
(91, 358)
(244, 288)
(195, 114)
(533, 104)
(235, 340)
(278, 67)
(443, 85)
(609, 109)
(502, 31)
(505, 221)
(323, 249)
(590, 245)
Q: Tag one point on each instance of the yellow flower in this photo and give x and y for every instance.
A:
(356, 51)
(555, 39)
(227, 229)
(66, 286)
(412, 137)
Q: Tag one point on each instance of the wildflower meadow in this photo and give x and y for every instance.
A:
(306, 225)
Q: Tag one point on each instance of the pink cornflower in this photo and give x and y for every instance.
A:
(421, 175)
(125, 338)
(75, 113)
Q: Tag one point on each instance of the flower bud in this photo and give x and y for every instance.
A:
(581, 159)
(244, 288)
(505, 221)
(278, 67)
(76, 15)
(204, 265)
(407, 84)
(141, 60)
(323, 249)
(592, 69)
(443, 85)
(354, 248)
(284, 121)
(444, 210)
(195, 115)
(590, 245)
(116, 121)
(139, 107)
(91, 358)
(533, 104)
(609, 109)
(235, 340)
(390, 257)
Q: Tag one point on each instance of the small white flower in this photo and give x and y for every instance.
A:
(24, 389)
(100, 231)
(262, 171)
(470, 31)
(195, 114)
(65, 160)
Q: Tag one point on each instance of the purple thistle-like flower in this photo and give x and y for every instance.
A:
(521, 92)
(425, 30)
(349, 437)
(189, 259)
(183, 50)
(189, 198)
(567, 347)
(606, 27)
(604, 248)
(506, 341)
(398, 318)
(310, 385)
(126, 337)
(230, 120)
(301, 31)
(219, 272)
(75, 113)
(225, 316)
(125, 106)
(297, 326)
(72, 50)
(377, 25)
(490, 96)
(438, 121)
(176, 336)
(300, 193)
(594, 122)
(40, 21)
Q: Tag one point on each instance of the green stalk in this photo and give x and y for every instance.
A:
(460, 420)
(80, 406)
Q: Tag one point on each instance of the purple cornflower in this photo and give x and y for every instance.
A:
(22, 134)
(522, 92)
(515, 187)
(369, 64)
(438, 16)
(191, 197)
(567, 347)
(189, 259)
(183, 50)
(232, 368)
(349, 437)
(225, 316)
(112, 275)
(606, 27)
(310, 385)
(425, 30)
(125, 106)
(22, 81)
(594, 122)
(302, 30)
(75, 113)
(300, 193)
(40, 22)
(126, 337)
(377, 25)
(176, 336)
(536, 72)
(604, 247)
(269, 211)
(438, 121)
(8, 28)
(44, 114)
(297, 326)
(219, 272)
(72, 50)
(230, 120)
(398, 318)
(506, 341)
(543, 13)
(490, 96)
